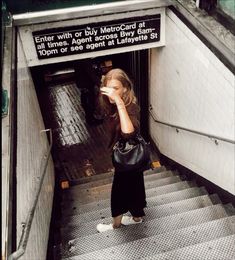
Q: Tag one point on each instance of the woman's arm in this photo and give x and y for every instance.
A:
(125, 121)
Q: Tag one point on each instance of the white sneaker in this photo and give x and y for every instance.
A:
(104, 227)
(126, 220)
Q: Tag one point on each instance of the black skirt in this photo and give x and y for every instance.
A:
(128, 194)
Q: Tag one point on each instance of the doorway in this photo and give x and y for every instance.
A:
(81, 149)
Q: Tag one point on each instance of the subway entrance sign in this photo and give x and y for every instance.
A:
(116, 34)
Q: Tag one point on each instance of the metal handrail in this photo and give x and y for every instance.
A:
(191, 130)
(27, 225)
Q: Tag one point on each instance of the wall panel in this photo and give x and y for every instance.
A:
(191, 87)
(32, 145)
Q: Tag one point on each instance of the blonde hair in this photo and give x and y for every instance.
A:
(118, 74)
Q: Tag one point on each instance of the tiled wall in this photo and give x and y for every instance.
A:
(191, 87)
(31, 147)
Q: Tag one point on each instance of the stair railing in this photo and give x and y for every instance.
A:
(216, 138)
(28, 223)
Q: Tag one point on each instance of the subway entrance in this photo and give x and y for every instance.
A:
(68, 61)
(68, 95)
(58, 57)
(50, 55)
(181, 99)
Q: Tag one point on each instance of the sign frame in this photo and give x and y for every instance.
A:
(26, 36)
(97, 37)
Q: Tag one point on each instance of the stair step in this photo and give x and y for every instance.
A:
(108, 175)
(90, 184)
(88, 194)
(180, 238)
(108, 180)
(155, 170)
(155, 211)
(73, 208)
(85, 243)
(92, 178)
(159, 178)
(88, 228)
(218, 249)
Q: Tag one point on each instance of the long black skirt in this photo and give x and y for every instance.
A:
(128, 194)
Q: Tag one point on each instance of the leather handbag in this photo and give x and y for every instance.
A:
(131, 155)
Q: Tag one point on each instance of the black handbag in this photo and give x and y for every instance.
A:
(131, 155)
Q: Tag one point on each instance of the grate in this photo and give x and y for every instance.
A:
(149, 177)
(101, 176)
(148, 248)
(167, 194)
(151, 213)
(85, 243)
(104, 190)
(218, 249)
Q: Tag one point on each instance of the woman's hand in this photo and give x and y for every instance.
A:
(115, 92)
(111, 93)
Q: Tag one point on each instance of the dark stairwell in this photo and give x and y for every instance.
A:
(182, 220)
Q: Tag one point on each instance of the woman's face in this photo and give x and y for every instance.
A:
(117, 86)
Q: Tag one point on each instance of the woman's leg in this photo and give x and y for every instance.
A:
(117, 221)
(105, 227)
(137, 214)
(135, 218)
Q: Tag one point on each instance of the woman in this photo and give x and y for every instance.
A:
(128, 192)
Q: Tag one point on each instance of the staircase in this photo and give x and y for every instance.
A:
(182, 222)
